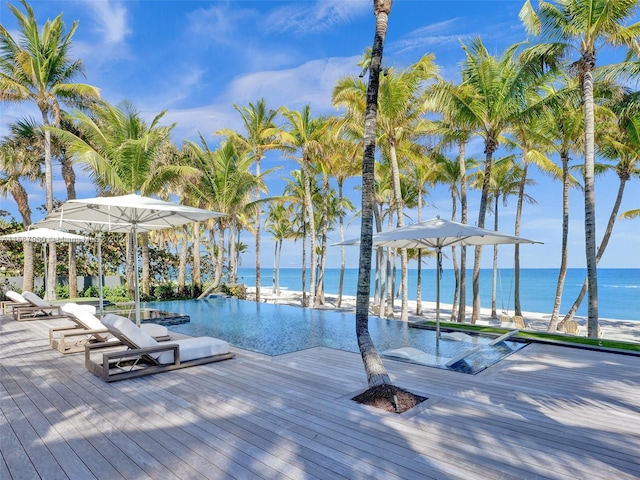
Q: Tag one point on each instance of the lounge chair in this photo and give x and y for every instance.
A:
(15, 300)
(145, 356)
(505, 321)
(571, 327)
(37, 309)
(88, 328)
(519, 323)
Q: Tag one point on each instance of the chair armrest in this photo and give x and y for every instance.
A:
(134, 352)
(20, 312)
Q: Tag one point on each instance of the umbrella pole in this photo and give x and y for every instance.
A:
(100, 281)
(438, 261)
(136, 281)
(44, 279)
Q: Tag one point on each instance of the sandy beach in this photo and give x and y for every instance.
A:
(624, 330)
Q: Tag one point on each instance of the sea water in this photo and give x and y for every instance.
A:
(618, 289)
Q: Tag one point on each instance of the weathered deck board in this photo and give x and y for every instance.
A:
(543, 412)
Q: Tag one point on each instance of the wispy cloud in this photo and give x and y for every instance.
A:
(315, 17)
(219, 24)
(110, 19)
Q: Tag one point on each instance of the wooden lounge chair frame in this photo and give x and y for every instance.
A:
(32, 311)
(73, 338)
(519, 322)
(135, 362)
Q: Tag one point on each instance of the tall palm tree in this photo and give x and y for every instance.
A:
(623, 145)
(260, 127)
(280, 225)
(38, 68)
(374, 368)
(305, 134)
(591, 24)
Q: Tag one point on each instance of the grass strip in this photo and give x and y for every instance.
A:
(541, 336)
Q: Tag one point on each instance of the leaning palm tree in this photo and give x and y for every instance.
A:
(590, 24)
(37, 68)
(374, 368)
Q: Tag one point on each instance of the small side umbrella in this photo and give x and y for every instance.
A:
(44, 236)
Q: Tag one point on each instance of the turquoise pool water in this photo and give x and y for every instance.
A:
(278, 329)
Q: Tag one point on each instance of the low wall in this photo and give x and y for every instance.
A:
(9, 283)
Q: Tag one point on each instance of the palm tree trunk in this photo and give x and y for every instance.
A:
(588, 62)
(50, 293)
(494, 284)
(343, 257)
(601, 249)
(553, 323)
(69, 177)
(454, 257)
(258, 222)
(182, 265)
(197, 271)
(308, 204)
(517, 309)
(374, 368)
(490, 147)
(21, 197)
(462, 312)
(399, 207)
(146, 280)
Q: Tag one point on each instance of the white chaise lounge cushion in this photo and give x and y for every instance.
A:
(197, 347)
(35, 299)
(190, 348)
(84, 315)
(16, 297)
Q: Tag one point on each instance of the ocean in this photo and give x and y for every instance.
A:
(618, 289)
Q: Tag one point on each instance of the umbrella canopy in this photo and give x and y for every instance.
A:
(436, 234)
(44, 235)
(124, 214)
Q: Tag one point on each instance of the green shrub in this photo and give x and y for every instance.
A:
(62, 291)
(90, 291)
(164, 292)
(238, 290)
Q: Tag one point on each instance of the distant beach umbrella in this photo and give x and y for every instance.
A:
(44, 236)
(437, 234)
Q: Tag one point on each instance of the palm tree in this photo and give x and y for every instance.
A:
(259, 123)
(37, 68)
(279, 224)
(17, 163)
(495, 92)
(223, 183)
(591, 24)
(305, 134)
(124, 155)
(374, 368)
(623, 145)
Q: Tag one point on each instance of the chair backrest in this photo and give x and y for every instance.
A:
(505, 319)
(518, 321)
(83, 316)
(571, 326)
(129, 333)
(16, 297)
(35, 300)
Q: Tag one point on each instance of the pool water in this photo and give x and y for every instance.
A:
(278, 329)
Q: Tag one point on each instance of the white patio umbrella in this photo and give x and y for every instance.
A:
(44, 236)
(437, 234)
(124, 214)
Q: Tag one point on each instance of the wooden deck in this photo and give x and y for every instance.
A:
(544, 412)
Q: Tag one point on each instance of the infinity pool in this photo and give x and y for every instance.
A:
(278, 329)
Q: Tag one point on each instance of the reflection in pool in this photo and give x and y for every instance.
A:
(278, 329)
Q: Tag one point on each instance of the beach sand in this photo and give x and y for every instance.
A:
(624, 330)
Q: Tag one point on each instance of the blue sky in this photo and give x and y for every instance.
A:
(196, 59)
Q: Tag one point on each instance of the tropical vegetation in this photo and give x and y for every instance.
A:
(402, 133)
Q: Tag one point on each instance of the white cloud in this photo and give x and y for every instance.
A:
(302, 18)
(309, 83)
(111, 20)
(218, 24)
